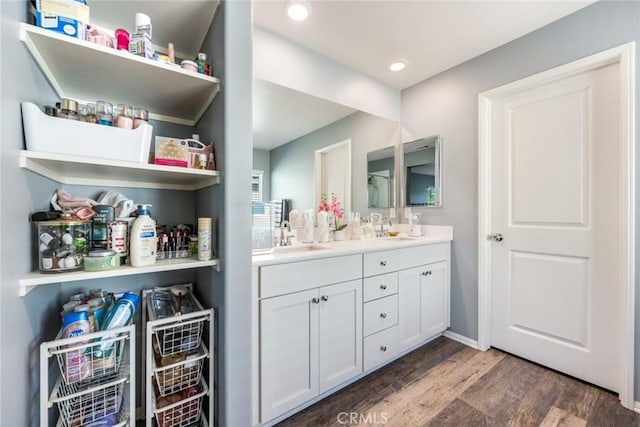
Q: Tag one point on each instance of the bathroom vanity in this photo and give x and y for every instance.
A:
(327, 314)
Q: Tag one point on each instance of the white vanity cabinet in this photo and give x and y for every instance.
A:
(423, 295)
(310, 340)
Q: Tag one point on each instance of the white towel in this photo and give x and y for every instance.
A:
(124, 207)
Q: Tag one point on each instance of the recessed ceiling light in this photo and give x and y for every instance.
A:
(398, 66)
(298, 10)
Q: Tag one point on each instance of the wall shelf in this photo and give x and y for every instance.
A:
(88, 72)
(77, 170)
(35, 279)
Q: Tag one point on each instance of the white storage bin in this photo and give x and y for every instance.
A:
(58, 135)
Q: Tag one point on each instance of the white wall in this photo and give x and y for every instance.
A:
(447, 104)
(283, 62)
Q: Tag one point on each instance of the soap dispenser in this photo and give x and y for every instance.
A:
(415, 229)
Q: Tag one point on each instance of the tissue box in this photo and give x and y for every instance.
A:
(62, 16)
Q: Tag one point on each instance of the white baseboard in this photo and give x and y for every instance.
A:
(636, 407)
(466, 341)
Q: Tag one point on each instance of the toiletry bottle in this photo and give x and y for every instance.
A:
(121, 314)
(143, 238)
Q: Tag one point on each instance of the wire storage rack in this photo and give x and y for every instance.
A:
(179, 359)
(95, 378)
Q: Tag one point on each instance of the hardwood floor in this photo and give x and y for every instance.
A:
(446, 383)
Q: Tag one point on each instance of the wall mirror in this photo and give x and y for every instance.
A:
(381, 182)
(422, 172)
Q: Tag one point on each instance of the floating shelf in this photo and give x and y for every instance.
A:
(88, 72)
(77, 170)
(34, 279)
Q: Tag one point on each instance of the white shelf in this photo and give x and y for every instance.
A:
(34, 279)
(77, 170)
(88, 72)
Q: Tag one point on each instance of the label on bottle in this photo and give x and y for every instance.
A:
(204, 245)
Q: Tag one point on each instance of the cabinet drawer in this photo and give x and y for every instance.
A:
(379, 263)
(380, 348)
(380, 314)
(380, 286)
(298, 276)
(420, 255)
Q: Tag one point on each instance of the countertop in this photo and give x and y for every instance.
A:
(299, 252)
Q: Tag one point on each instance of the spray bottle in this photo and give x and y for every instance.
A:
(143, 238)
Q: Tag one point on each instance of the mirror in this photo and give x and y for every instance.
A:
(422, 167)
(381, 183)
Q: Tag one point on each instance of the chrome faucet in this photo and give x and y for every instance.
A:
(285, 240)
(382, 231)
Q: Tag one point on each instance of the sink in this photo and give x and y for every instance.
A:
(399, 238)
(299, 249)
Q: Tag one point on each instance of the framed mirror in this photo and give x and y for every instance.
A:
(381, 182)
(422, 172)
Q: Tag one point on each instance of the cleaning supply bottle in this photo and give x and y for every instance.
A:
(143, 238)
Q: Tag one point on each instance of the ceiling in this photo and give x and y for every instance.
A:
(367, 35)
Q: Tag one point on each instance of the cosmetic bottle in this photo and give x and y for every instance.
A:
(143, 238)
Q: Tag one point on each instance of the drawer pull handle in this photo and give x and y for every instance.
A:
(383, 348)
(383, 315)
(426, 273)
(383, 287)
(315, 300)
(324, 298)
(383, 263)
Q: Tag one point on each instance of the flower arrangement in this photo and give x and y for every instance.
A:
(333, 208)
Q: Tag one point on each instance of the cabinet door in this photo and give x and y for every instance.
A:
(434, 299)
(409, 307)
(288, 352)
(340, 333)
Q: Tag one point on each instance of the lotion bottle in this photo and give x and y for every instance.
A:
(143, 238)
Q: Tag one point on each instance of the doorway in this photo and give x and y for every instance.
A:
(333, 173)
(556, 219)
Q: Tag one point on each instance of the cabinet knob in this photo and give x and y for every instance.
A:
(383, 315)
(324, 298)
(426, 273)
(383, 263)
(383, 348)
(315, 300)
(383, 287)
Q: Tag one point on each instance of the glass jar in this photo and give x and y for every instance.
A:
(90, 116)
(140, 117)
(50, 111)
(122, 117)
(68, 109)
(104, 113)
(82, 112)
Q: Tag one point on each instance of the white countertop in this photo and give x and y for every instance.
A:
(299, 252)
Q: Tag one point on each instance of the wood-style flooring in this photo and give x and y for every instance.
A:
(445, 383)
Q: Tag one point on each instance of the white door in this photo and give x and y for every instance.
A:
(555, 199)
(288, 352)
(340, 333)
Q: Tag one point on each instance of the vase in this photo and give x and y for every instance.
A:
(338, 235)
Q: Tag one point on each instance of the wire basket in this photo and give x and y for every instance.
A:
(83, 405)
(182, 413)
(87, 361)
(179, 337)
(181, 375)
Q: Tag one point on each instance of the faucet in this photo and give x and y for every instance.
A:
(388, 221)
(285, 239)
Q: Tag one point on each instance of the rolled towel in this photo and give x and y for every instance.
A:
(63, 201)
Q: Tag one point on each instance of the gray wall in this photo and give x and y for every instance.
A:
(292, 164)
(447, 104)
(262, 162)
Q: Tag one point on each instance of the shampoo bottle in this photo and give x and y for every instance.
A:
(143, 238)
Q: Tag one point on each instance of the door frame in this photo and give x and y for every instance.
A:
(624, 56)
(318, 177)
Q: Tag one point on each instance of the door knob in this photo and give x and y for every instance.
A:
(315, 300)
(324, 298)
(497, 237)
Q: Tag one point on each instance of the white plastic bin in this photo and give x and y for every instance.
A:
(58, 135)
